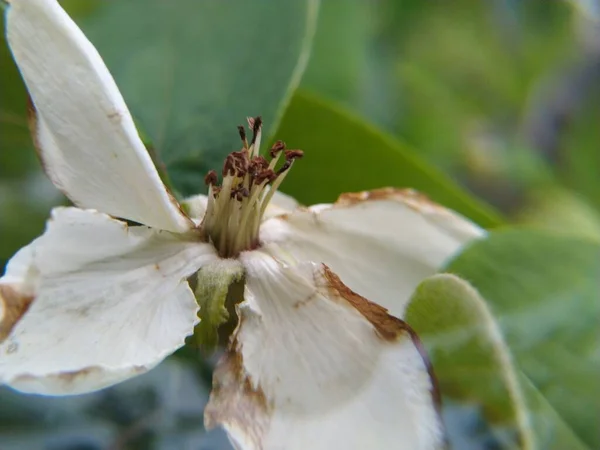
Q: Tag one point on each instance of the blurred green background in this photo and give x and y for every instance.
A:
(490, 107)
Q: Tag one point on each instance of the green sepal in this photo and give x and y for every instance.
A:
(213, 285)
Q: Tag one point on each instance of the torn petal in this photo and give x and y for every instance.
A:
(84, 133)
(381, 243)
(111, 301)
(315, 366)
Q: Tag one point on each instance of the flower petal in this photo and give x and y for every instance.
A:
(315, 366)
(17, 288)
(111, 301)
(381, 243)
(280, 204)
(195, 207)
(82, 128)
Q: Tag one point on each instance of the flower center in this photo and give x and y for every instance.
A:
(235, 209)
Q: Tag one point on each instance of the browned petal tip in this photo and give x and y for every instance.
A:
(13, 305)
(410, 197)
(234, 402)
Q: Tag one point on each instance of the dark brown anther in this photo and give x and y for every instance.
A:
(277, 147)
(266, 174)
(255, 124)
(229, 165)
(286, 165)
(242, 132)
(293, 154)
(211, 178)
(242, 193)
(257, 165)
(241, 162)
(261, 162)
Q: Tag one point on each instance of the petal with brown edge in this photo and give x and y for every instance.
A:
(111, 301)
(312, 365)
(381, 243)
(17, 288)
(13, 305)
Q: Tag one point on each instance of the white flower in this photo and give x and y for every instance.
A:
(93, 301)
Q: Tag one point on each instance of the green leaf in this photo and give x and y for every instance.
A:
(344, 154)
(192, 71)
(339, 57)
(579, 158)
(24, 198)
(551, 432)
(468, 352)
(17, 156)
(474, 365)
(15, 142)
(557, 209)
(543, 290)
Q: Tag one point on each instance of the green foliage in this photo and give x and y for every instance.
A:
(543, 290)
(337, 61)
(343, 153)
(580, 155)
(192, 71)
(15, 157)
(468, 352)
(560, 210)
(474, 365)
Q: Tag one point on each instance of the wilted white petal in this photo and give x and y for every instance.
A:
(83, 130)
(315, 366)
(381, 243)
(111, 301)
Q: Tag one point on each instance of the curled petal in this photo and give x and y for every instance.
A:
(313, 365)
(381, 243)
(110, 302)
(82, 128)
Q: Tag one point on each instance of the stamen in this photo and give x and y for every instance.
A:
(242, 132)
(275, 153)
(277, 147)
(211, 178)
(256, 125)
(291, 156)
(235, 209)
